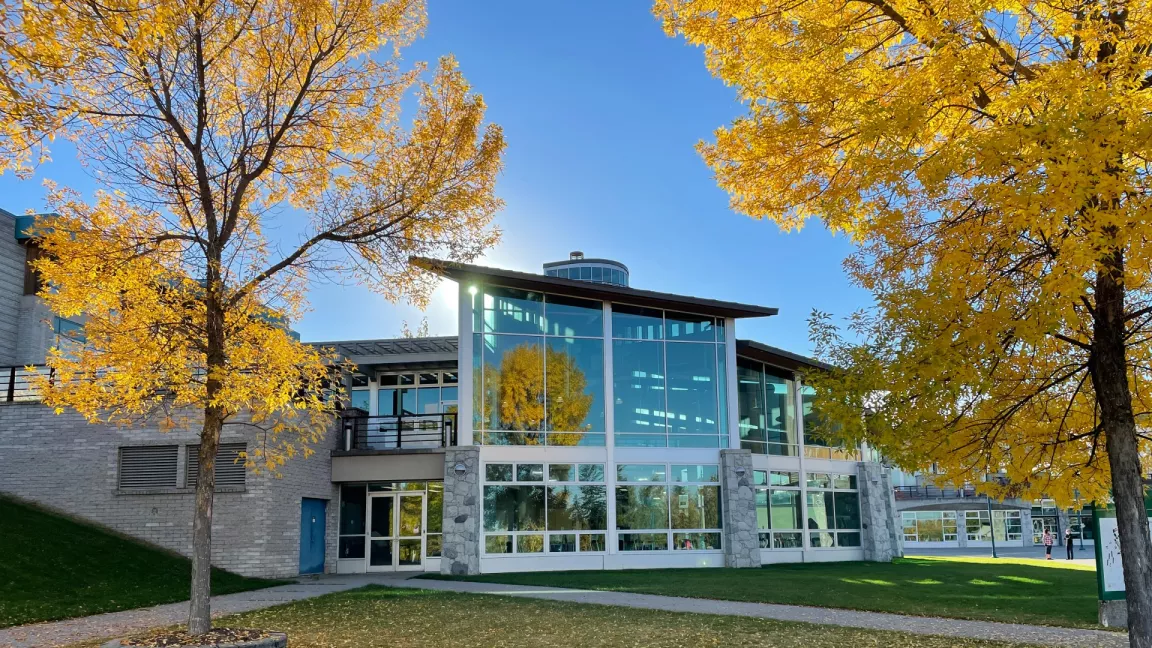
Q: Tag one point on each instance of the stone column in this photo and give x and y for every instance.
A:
(738, 503)
(1026, 524)
(881, 539)
(460, 554)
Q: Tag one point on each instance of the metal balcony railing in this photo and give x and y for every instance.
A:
(408, 431)
(932, 492)
(16, 383)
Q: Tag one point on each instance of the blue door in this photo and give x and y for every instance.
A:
(312, 535)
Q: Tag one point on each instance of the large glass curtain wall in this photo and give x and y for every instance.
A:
(668, 379)
(538, 365)
(661, 507)
(767, 410)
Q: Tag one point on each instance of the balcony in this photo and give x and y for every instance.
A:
(933, 492)
(362, 433)
(16, 384)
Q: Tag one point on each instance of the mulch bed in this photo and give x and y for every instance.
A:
(214, 637)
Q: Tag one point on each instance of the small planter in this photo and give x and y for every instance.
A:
(215, 638)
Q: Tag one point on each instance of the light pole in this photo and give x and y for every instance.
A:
(991, 526)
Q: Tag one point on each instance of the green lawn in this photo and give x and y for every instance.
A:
(1023, 591)
(55, 568)
(404, 618)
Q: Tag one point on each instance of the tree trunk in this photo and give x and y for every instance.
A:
(200, 609)
(1110, 378)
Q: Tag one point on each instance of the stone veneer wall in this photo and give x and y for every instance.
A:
(460, 554)
(741, 539)
(65, 464)
(881, 539)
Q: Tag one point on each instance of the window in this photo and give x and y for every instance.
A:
(767, 422)
(833, 510)
(229, 469)
(816, 446)
(69, 335)
(353, 509)
(660, 507)
(538, 369)
(929, 526)
(148, 467)
(1005, 526)
(669, 379)
(778, 511)
(523, 514)
(358, 394)
(416, 394)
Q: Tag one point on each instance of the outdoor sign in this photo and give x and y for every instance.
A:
(1109, 564)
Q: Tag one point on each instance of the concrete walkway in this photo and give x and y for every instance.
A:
(1012, 632)
(58, 633)
(112, 624)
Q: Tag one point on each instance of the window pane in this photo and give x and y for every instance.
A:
(513, 383)
(530, 472)
(779, 414)
(640, 473)
(561, 542)
(785, 478)
(359, 380)
(428, 400)
(498, 472)
(695, 473)
(498, 544)
(822, 540)
(844, 481)
(820, 511)
(451, 378)
(507, 310)
(750, 403)
(434, 542)
(848, 539)
(638, 386)
(478, 386)
(819, 480)
(359, 398)
(694, 441)
(352, 547)
(406, 379)
(760, 477)
(696, 541)
(408, 402)
(561, 472)
(435, 507)
(763, 520)
(785, 509)
(592, 542)
(352, 507)
(633, 323)
(530, 544)
(692, 399)
(389, 380)
(429, 378)
(641, 507)
(598, 274)
(643, 541)
(513, 508)
(695, 507)
(682, 326)
(577, 508)
(787, 541)
(387, 402)
(591, 472)
(579, 317)
(575, 389)
(848, 510)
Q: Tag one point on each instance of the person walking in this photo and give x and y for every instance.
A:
(1047, 544)
(1068, 542)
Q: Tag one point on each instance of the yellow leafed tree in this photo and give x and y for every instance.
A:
(989, 159)
(212, 124)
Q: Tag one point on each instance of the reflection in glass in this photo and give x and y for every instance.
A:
(380, 554)
(592, 542)
(513, 382)
(638, 386)
(696, 541)
(685, 327)
(820, 511)
(787, 541)
(642, 507)
(574, 317)
(428, 400)
(692, 397)
(514, 508)
(352, 547)
(847, 507)
(561, 472)
(381, 526)
(498, 472)
(643, 541)
(409, 552)
(634, 323)
(575, 388)
(561, 542)
(695, 473)
(640, 472)
(530, 472)
(507, 310)
(781, 423)
(695, 507)
(411, 515)
(498, 544)
(530, 544)
(577, 508)
(352, 508)
(591, 472)
(785, 509)
(359, 399)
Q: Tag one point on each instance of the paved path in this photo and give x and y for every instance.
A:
(1042, 635)
(59, 633)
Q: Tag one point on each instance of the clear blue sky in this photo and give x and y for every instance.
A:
(601, 112)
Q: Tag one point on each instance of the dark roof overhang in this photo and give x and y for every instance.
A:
(465, 273)
(776, 357)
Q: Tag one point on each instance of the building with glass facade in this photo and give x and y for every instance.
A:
(584, 424)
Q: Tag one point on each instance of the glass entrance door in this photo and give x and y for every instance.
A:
(396, 532)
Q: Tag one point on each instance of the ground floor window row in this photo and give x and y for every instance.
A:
(942, 526)
(827, 508)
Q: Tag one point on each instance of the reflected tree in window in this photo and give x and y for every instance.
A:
(523, 397)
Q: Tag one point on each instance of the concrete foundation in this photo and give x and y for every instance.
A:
(1114, 614)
